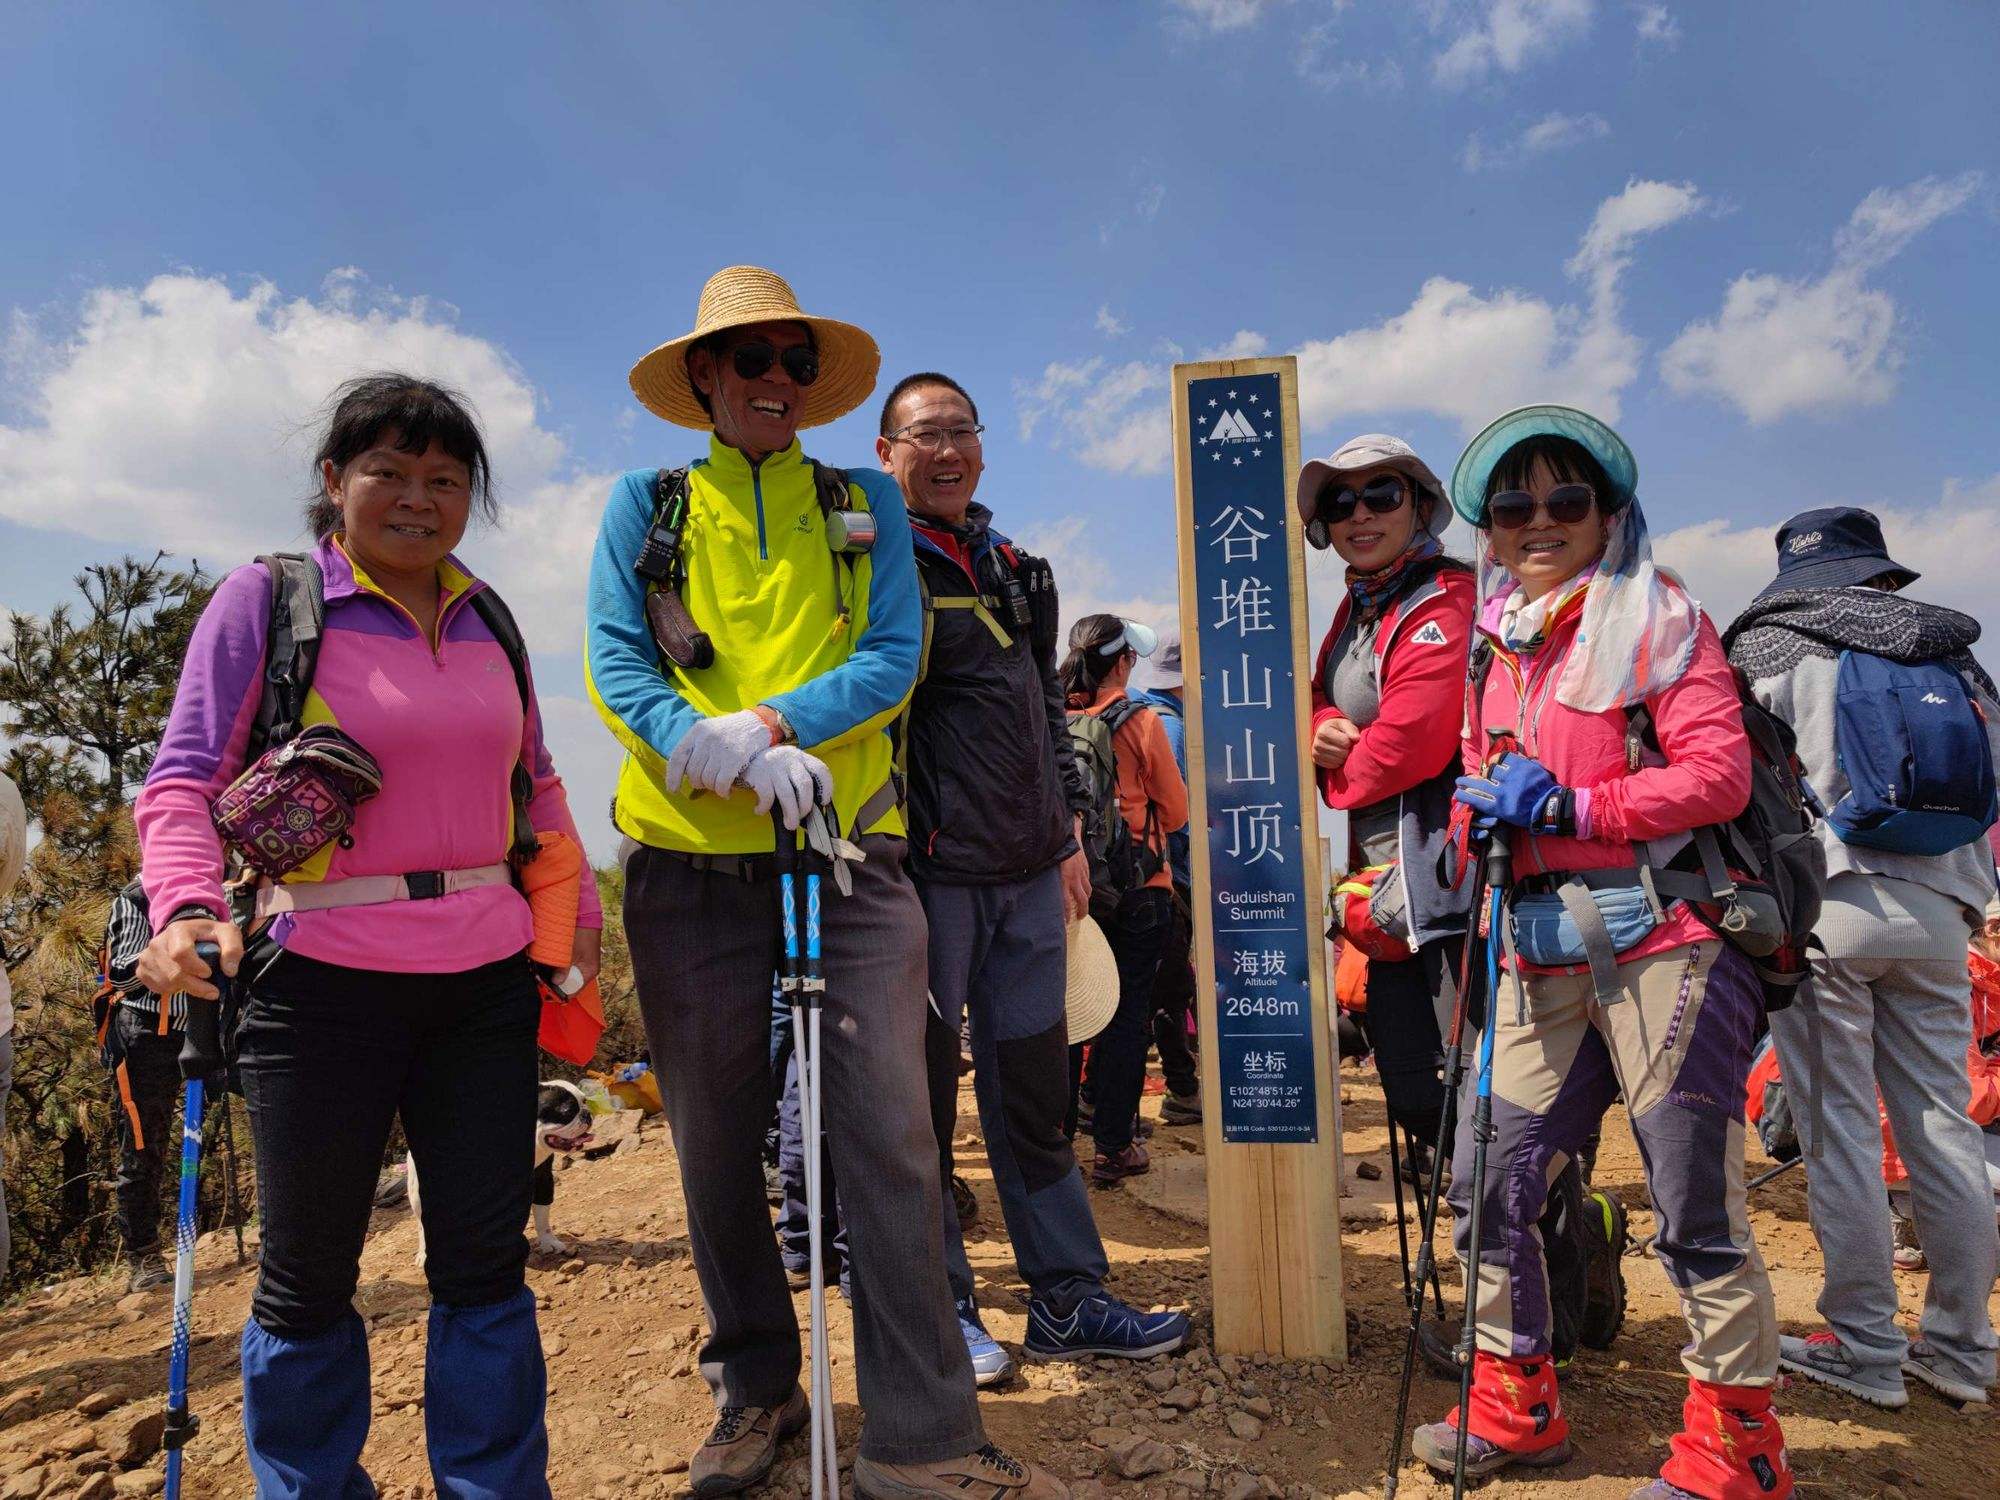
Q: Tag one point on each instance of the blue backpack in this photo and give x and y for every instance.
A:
(1913, 745)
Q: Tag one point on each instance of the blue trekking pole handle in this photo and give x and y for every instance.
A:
(201, 1056)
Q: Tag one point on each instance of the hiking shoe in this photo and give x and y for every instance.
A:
(1437, 1342)
(1436, 1443)
(990, 1363)
(743, 1444)
(1659, 1489)
(1604, 1236)
(963, 1203)
(1922, 1361)
(1101, 1324)
(1909, 1252)
(1181, 1109)
(148, 1271)
(1127, 1163)
(1823, 1357)
(984, 1474)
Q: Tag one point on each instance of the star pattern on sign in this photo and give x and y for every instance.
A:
(1237, 462)
(1232, 395)
(1267, 414)
(1267, 432)
(1216, 456)
(1211, 400)
(1256, 452)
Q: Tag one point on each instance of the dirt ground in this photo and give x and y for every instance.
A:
(81, 1364)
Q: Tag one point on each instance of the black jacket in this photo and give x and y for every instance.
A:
(993, 784)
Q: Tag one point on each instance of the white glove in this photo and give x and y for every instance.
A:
(713, 753)
(786, 775)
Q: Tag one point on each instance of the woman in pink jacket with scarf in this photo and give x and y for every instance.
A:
(1583, 629)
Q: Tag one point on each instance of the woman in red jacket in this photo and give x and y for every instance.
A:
(1641, 998)
(1388, 697)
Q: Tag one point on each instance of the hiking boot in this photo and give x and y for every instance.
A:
(147, 1272)
(984, 1474)
(1101, 1324)
(1823, 1357)
(1604, 1236)
(1182, 1109)
(1909, 1252)
(990, 1363)
(963, 1203)
(741, 1448)
(1416, 1167)
(1436, 1443)
(1923, 1362)
(1127, 1163)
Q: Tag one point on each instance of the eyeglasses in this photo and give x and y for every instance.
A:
(1566, 504)
(1383, 495)
(930, 439)
(754, 357)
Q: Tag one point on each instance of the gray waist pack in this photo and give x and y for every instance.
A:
(1550, 932)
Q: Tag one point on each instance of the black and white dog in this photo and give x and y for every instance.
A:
(562, 1123)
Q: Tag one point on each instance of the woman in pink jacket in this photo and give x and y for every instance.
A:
(1584, 630)
(391, 982)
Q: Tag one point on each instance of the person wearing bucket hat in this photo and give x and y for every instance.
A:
(1898, 730)
(1577, 630)
(1388, 693)
(996, 808)
(753, 634)
(1132, 765)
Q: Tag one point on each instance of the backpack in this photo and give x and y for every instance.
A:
(1118, 862)
(291, 652)
(1910, 740)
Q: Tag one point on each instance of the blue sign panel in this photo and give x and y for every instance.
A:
(1263, 911)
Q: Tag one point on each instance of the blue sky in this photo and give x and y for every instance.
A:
(1761, 237)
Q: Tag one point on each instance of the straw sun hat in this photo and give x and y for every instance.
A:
(736, 297)
(1091, 995)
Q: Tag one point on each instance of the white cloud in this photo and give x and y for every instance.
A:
(1656, 26)
(1468, 356)
(1148, 196)
(1505, 34)
(1220, 15)
(1110, 324)
(1552, 132)
(1949, 541)
(1782, 344)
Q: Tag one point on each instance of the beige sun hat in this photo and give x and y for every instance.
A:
(1091, 994)
(736, 297)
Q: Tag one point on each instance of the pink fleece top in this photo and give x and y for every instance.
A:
(445, 722)
(1699, 722)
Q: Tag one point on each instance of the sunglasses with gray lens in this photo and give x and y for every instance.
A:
(1566, 504)
(754, 357)
(1383, 496)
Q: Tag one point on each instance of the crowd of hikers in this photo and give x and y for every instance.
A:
(1710, 838)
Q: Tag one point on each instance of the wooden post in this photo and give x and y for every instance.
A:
(1271, 1111)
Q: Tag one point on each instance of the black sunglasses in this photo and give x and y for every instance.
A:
(753, 357)
(1384, 495)
(1566, 504)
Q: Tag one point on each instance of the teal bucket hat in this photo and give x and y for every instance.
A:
(1475, 466)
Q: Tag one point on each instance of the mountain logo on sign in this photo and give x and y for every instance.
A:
(1234, 427)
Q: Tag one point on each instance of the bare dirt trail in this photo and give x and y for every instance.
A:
(621, 1319)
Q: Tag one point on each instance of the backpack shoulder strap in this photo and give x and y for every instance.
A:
(491, 608)
(659, 559)
(291, 649)
(832, 487)
(1118, 712)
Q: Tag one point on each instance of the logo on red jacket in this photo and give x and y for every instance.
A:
(1431, 635)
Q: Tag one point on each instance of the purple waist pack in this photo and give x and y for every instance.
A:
(297, 798)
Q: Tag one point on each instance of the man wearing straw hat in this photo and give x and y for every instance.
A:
(996, 807)
(750, 652)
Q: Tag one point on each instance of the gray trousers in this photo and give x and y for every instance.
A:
(704, 949)
(1899, 1024)
(999, 951)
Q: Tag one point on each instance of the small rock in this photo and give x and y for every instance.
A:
(1159, 1380)
(78, 1440)
(139, 1482)
(571, 1267)
(1088, 1489)
(1259, 1407)
(25, 1485)
(1109, 1437)
(1181, 1398)
(1367, 1171)
(97, 1403)
(1137, 1457)
(1242, 1425)
(132, 1436)
(1231, 1366)
(676, 1464)
(98, 1487)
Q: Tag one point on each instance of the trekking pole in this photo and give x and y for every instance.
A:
(804, 995)
(826, 1450)
(1498, 872)
(1429, 1199)
(1402, 1225)
(201, 1056)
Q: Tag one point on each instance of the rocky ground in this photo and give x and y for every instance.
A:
(82, 1365)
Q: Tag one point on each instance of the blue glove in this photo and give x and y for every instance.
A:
(1521, 791)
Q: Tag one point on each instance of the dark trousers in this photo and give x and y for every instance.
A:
(330, 1057)
(1403, 1003)
(147, 1084)
(1137, 933)
(704, 948)
(997, 953)
(794, 1218)
(1173, 999)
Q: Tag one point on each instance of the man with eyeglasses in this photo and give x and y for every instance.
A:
(751, 652)
(996, 802)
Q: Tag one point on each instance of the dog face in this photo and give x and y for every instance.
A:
(561, 1121)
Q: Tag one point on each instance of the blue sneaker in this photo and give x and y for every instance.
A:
(990, 1363)
(1101, 1324)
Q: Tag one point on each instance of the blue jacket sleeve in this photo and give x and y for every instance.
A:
(866, 691)
(621, 665)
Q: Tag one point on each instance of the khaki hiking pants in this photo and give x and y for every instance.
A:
(1677, 1046)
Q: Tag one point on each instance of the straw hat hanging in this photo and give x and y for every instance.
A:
(736, 297)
